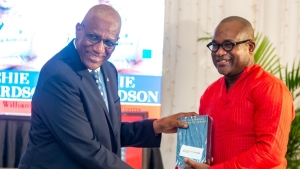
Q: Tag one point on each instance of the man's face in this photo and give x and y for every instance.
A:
(95, 41)
(233, 62)
(7, 4)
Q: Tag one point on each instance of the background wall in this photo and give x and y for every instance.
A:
(187, 65)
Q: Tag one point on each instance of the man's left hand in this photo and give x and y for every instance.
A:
(171, 123)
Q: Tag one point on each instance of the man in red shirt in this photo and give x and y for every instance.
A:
(252, 109)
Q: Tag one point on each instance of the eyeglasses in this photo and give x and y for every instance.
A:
(94, 39)
(226, 45)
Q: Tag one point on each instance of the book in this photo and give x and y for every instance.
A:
(194, 142)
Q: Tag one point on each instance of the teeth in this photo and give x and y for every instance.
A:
(95, 55)
(223, 60)
(91, 54)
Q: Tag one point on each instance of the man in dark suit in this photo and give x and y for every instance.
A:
(72, 125)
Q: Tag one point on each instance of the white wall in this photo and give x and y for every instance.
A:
(187, 65)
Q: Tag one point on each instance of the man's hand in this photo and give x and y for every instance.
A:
(171, 123)
(194, 165)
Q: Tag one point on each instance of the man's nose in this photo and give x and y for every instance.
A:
(220, 51)
(99, 47)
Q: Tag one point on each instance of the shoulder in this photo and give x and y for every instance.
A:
(214, 89)
(110, 65)
(216, 85)
(109, 68)
(265, 85)
(261, 77)
(62, 66)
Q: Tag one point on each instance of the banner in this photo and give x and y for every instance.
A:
(34, 31)
(137, 92)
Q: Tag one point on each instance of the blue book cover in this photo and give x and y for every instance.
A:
(194, 142)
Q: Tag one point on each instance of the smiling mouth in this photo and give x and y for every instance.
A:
(223, 61)
(94, 56)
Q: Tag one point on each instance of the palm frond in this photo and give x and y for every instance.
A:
(204, 39)
(292, 78)
(293, 153)
(208, 37)
(264, 54)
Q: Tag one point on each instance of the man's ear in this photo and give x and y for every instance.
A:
(251, 46)
(78, 28)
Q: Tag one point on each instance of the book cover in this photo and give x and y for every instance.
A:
(194, 142)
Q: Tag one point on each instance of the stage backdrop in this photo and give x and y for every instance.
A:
(32, 31)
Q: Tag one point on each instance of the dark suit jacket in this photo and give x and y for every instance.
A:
(71, 127)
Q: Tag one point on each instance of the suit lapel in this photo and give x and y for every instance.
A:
(111, 89)
(109, 92)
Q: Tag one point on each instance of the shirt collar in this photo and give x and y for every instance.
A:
(74, 44)
(98, 69)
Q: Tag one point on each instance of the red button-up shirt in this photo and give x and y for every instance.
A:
(251, 121)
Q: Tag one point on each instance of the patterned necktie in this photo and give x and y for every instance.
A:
(95, 74)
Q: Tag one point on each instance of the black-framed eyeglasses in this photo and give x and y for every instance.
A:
(94, 39)
(226, 45)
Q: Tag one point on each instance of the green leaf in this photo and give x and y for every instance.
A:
(204, 39)
(264, 54)
(207, 38)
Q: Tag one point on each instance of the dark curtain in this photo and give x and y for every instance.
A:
(153, 159)
(13, 139)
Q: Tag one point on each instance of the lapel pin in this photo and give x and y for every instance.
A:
(107, 79)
